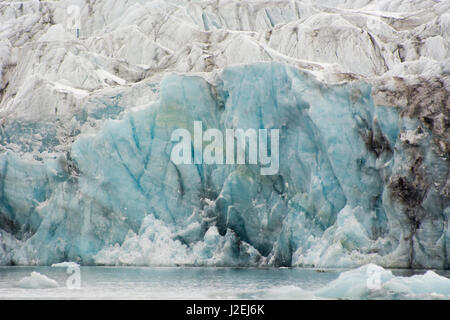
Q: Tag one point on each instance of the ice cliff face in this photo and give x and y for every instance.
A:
(359, 92)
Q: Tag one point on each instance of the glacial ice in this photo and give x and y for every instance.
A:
(37, 281)
(65, 264)
(361, 104)
(357, 285)
(117, 199)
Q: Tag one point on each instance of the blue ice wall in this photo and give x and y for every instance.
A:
(344, 194)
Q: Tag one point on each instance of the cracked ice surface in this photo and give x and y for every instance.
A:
(358, 91)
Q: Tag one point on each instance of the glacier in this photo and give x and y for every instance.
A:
(341, 194)
(358, 91)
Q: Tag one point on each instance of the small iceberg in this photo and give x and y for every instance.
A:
(37, 281)
(373, 282)
(66, 264)
(366, 283)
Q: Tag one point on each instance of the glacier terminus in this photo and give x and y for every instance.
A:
(339, 112)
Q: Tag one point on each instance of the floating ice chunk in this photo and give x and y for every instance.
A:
(371, 281)
(37, 281)
(367, 282)
(429, 283)
(66, 264)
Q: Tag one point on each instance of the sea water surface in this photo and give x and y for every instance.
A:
(176, 282)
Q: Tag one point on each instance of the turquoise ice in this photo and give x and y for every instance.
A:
(345, 193)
